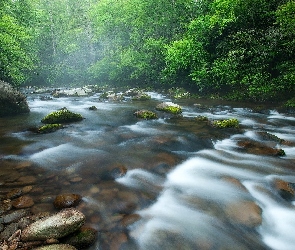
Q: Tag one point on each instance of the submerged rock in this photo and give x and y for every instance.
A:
(56, 226)
(285, 190)
(61, 116)
(247, 213)
(67, 200)
(12, 101)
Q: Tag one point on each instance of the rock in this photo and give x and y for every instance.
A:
(12, 101)
(130, 219)
(56, 226)
(247, 213)
(227, 123)
(258, 148)
(115, 172)
(141, 97)
(14, 193)
(145, 114)
(169, 107)
(8, 231)
(82, 238)
(27, 179)
(23, 202)
(92, 108)
(5, 206)
(284, 189)
(14, 216)
(67, 200)
(56, 247)
(84, 91)
(61, 116)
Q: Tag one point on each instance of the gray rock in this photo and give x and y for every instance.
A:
(14, 216)
(56, 226)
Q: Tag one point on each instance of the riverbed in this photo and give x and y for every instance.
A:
(175, 182)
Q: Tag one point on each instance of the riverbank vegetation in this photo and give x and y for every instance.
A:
(234, 49)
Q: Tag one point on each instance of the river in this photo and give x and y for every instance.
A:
(188, 185)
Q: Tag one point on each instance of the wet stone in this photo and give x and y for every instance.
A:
(27, 179)
(14, 193)
(23, 202)
(8, 231)
(81, 239)
(5, 206)
(130, 219)
(247, 213)
(284, 189)
(67, 200)
(14, 216)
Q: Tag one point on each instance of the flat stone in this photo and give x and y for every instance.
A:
(23, 202)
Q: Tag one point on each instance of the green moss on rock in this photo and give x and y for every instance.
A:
(49, 128)
(169, 107)
(227, 123)
(61, 116)
(145, 114)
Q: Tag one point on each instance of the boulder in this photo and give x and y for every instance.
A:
(12, 101)
(56, 226)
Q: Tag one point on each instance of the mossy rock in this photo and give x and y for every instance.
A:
(227, 123)
(141, 97)
(169, 107)
(61, 116)
(49, 128)
(202, 118)
(146, 114)
(82, 238)
(93, 108)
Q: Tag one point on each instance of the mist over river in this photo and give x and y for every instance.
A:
(188, 185)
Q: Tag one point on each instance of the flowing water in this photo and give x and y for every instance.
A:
(188, 185)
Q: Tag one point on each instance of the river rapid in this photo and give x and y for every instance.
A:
(188, 185)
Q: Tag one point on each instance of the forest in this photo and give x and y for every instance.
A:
(235, 49)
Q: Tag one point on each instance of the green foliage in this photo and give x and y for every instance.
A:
(61, 116)
(16, 54)
(228, 123)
